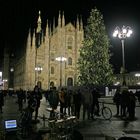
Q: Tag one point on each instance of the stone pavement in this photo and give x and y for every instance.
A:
(114, 129)
(98, 129)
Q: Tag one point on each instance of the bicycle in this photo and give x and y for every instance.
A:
(104, 111)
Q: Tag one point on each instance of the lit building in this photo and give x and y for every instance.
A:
(132, 79)
(38, 65)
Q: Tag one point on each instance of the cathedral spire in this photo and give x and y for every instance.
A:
(77, 23)
(38, 32)
(33, 38)
(50, 29)
(81, 23)
(53, 24)
(47, 29)
(63, 19)
(29, 40)
(59, 19)
(39, 23)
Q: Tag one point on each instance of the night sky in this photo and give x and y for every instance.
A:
(16, 16)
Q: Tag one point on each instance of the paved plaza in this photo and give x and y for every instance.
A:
(98, 129)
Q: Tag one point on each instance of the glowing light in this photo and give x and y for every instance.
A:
(137, 74)
(117, 83)
(61, 58)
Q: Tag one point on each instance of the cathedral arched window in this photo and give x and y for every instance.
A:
(69, 61)
(69, 81)
(52, 70)
(69, 43)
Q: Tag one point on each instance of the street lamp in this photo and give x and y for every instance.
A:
(122, 34)
(61, 59)
(38, 69)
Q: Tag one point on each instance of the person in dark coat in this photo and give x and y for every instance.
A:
(117, 101)
(95, 103)
(87, 101)
(131, 106)
(77, 99)
(1, 101)
(21, 96)
(25, 118)
(124, 102)
(53, 99)
(38, 96)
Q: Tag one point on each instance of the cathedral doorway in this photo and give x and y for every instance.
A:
(51, 84)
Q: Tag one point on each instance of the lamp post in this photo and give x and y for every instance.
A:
(61, 59)
(122, 34)
(38, 69)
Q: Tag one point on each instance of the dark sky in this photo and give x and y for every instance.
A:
(16, 16)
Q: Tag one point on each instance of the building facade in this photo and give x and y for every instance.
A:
(39, 65)
(132, 79)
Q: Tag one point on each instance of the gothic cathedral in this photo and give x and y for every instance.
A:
(50, 58)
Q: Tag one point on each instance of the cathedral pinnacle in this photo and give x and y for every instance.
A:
(39, 23)
(81, 23)
(77, 23)
(63, 19)
(59, 19)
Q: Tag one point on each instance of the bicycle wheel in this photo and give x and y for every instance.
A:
(106, 113)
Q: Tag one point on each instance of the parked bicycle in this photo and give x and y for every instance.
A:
(104, 111)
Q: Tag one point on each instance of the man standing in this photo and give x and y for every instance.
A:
(95, 103)
(87, 100)
(117, 101)
(62, 101)
(53, 99)
(21, 97)
(38, 96)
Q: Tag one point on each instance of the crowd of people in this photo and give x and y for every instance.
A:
(125, 101)
(70, 101)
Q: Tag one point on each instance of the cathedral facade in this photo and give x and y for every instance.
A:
(50, 58)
